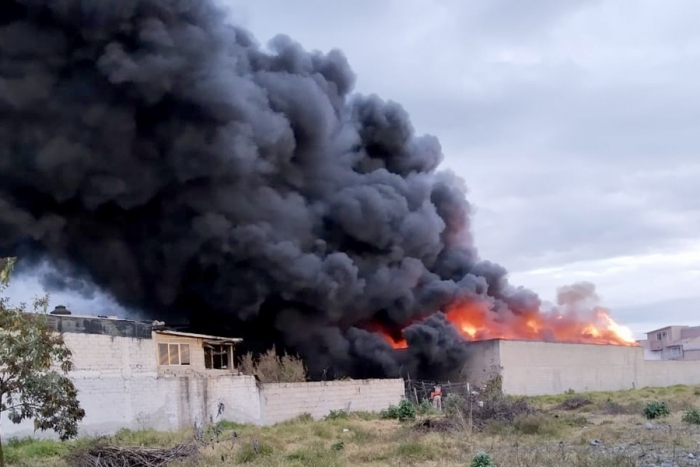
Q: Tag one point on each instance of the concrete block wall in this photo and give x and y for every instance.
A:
(119, 386)
(98, 353)
(284, 401)
(539, 368)
(531, 368)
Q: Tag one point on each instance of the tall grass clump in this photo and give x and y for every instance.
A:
(273, 368)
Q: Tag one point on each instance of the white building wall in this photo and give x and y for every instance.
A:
(119, 386)
(284, 401)
(535, 368)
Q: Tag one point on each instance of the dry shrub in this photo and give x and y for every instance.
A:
(574, 403)
(100, 455)
(610, 407)
(481, 410)
(273, 368)
(536, 424)
(500, 408)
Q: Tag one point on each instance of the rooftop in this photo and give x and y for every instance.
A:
(62, 320)
(218, 340)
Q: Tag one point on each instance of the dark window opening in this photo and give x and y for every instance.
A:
(217, 357)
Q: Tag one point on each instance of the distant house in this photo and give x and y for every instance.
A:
(673, 343)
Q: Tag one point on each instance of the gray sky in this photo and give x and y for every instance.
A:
(573, 123)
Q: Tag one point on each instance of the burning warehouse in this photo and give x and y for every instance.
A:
(153, 151)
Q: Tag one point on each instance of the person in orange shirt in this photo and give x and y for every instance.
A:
(436, 397)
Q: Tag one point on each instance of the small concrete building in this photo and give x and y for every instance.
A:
(138, 375)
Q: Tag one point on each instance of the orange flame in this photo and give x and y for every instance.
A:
(395, 343)
(476, 322)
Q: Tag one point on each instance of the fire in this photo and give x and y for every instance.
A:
(395, 343)
(475, 321)
(393, 340)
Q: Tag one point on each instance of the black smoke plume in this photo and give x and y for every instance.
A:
(151, 150)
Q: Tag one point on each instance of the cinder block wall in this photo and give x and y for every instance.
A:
(284, 401)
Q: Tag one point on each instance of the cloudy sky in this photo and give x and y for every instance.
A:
(573, 123)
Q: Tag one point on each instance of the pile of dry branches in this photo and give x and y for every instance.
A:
(117, 456)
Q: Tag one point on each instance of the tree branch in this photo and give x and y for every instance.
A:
(27, 404)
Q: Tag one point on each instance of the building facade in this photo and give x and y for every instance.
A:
(135, 375)
(673, 343)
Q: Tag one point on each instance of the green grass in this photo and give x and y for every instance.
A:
(550, 437)
(17, 450)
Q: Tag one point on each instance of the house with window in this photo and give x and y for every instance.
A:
(142, 374)
(184, 351)
(673, 343)
(175, 352)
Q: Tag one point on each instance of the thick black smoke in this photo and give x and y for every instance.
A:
(152, 150)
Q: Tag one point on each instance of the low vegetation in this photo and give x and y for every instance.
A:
(692, 416)
(656, 409)
(270, 367)
(402, 412)
(521, 432)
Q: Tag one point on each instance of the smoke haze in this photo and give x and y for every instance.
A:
(152, 151)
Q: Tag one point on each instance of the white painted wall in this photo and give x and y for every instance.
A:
(283, 401)
(536, 368)
(120, 386)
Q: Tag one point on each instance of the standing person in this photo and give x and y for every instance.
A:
(436, 397)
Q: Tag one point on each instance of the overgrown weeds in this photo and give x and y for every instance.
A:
(270, 367)
(692, 416)
(337, 415)
(543, 435)
(402, 412)
(574, 403)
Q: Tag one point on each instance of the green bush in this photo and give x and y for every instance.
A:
(482, 460)
(339, 446)
(656, 409)
(692, 416)
(391, 412)
(407, 410)
(402, 412)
